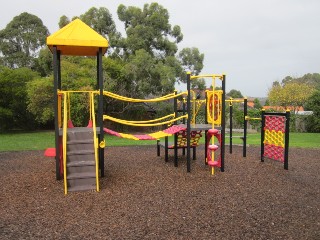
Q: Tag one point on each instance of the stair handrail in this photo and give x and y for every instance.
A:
(64, 142)
(95, 141)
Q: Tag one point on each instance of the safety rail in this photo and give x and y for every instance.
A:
(95, 142)
(64, 142)
(125, 122)
(163, 98)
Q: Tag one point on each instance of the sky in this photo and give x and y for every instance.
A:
(254, 42)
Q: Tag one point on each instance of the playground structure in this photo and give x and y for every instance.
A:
(274, 132)
(79, 151)
(275, 136)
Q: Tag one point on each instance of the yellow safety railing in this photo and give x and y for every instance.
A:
(64, 143)
(252, 118)
(95, 141)
(127, 99)
(152, 120)
(125, 122)
(220, 76)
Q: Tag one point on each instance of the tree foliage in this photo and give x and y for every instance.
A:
(149, 29)
(100, 19)
(257, 104)
(291, 94)
(191, 60)
(21, 40)
(64, 20)
(145, 63)
(313, 104)
(235, 94)
(13, 98)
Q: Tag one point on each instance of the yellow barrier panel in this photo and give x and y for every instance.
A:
(217, 106)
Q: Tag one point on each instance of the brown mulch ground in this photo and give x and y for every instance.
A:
(142, 197)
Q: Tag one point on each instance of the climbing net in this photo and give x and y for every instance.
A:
(182, 139)
(274, 141)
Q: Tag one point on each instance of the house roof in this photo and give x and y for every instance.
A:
(279, 108)
(78, 39)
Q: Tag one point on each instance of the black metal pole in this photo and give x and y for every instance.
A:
(100, 111)
(166, 149)
(55, 99)
(245, 126)
(175, 106)
(263, 123)
(230, 134)
(223, 121)
(286, 141)
(188, 123)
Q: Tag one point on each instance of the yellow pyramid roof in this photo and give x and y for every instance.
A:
(78, 39)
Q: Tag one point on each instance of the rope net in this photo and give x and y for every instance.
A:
(182, 139)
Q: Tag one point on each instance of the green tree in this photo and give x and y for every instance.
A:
(78, 73)
(40, 99)
(267, 103)
(100, 19)
(310, 79)
(257, 104)
(199, 84)
(43, 64)
(21, 41)
(191, 60)
(292, 94)
(64, 20)
(148, 29)
(313, 104)
(235, 94)
(13, 98)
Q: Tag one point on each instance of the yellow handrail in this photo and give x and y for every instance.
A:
(106, 117)
(95, 142)
(64, 143)
(163, 98)
(220, 76)
(252, 118)
(152, 120)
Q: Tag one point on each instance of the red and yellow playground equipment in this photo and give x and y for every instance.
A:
(215, 112)
(79, 151)
(275, 136)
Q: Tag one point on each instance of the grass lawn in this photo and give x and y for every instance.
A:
(41, 140)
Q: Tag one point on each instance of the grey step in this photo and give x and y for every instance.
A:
(80, 152)
(79, 147)
(86, 175)
(81, 163)
(82, 188)
(80, 141)
(74, 136)
(81, 169)
(78, 182)
(80, 158)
